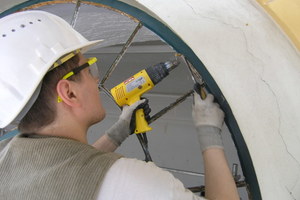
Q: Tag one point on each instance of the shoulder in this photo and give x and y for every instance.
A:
(135, 179)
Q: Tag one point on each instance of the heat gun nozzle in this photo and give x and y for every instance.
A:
(161, 70)
(170, 65)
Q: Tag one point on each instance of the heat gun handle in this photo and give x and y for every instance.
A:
(141, 123)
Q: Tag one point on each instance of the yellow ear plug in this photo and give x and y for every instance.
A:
(59, 99)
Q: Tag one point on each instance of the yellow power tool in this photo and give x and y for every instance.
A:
(130, 91)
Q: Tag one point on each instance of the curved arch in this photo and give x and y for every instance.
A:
(157, 25)
(181, 47)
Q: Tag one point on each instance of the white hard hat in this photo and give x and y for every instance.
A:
(30, 43)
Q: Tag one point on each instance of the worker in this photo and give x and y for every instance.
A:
(50, 90)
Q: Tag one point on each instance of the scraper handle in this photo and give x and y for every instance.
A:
(200, 90)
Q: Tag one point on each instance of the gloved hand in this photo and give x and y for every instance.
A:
(208, 119)
(126, 123)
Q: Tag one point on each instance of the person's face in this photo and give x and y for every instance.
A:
(90, 94)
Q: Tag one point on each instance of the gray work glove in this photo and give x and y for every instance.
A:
(208, 119)
(126, 123)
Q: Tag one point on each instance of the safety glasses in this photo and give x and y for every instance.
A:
(93, 69)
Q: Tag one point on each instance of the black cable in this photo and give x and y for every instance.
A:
(145, 139)
(144, 147)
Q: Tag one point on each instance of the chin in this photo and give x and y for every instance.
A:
(97, 119)
(102, 115)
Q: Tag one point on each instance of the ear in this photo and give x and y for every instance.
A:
(67, 91)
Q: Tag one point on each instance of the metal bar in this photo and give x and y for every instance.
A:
(107, 92)
(183, 172)
(234, 171)
(171, 106)
(202, 188)
(199, 86)
(197, 189)
(123, 51)
(142, 140)
(76, 12)
(197, 78)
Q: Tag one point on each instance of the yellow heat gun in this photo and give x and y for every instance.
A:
(130, 91)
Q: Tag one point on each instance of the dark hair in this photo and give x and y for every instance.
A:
(43, 111)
